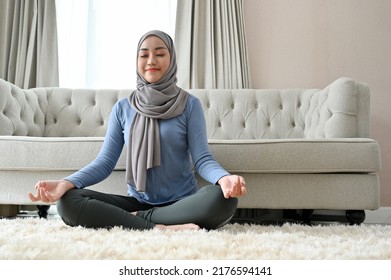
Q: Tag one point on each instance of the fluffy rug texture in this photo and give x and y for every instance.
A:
(39, 239)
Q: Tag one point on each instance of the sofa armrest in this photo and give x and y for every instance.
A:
(21, 111)
(341, 110)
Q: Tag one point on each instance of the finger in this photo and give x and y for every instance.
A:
(226, 193)
(38, 184)
(33, 198)
(243, 187)
(237, 183)
(234, 183)
(43, 196)
(238, 191)
(242, 182)
(238, 186)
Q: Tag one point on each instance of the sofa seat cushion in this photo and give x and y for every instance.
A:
(50, 153)
(245, 156)
(338, 155)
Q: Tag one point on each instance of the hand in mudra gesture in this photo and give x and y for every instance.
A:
(50, 191)
(233, 186)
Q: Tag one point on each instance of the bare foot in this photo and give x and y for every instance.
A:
(178, 227)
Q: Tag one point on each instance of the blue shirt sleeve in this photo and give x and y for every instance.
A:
(203, 160)
(100, 168)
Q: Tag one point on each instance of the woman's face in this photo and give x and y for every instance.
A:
(153, 59)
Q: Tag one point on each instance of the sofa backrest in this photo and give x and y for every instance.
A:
(80, 112)
(339, 110)
(56, 112)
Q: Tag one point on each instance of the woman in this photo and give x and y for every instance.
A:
(164, 129)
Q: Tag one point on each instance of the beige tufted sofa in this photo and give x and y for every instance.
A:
(299, 149)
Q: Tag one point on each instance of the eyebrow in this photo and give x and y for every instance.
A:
(157, 48)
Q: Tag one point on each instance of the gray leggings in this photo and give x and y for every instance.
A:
(83, 207)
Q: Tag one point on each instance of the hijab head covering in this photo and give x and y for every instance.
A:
(152, 101)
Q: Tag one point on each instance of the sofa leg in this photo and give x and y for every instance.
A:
(43, 211)
(307, 216)
(355, 217)
(8, 211)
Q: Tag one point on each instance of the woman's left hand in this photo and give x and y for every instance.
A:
(233, 186)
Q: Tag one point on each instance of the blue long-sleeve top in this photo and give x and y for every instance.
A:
(183, 142)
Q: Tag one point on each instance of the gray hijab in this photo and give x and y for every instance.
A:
(160, 100)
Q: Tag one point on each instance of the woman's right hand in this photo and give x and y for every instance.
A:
(50, 191)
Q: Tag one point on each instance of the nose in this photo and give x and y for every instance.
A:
(151, 60)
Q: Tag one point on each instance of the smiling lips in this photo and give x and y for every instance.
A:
(152, 69)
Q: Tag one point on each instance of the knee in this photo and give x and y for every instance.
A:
(223, 209)
(229, 204)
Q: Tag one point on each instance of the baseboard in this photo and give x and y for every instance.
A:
(380, 216)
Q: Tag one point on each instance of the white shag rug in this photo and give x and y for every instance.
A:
(39, 239)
